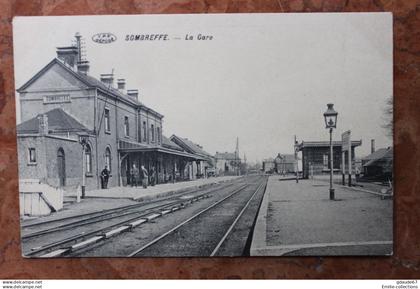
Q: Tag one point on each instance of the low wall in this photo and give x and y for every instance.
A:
(38, 199)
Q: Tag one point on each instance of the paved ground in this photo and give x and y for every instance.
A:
(374, 187)
(300, 218)
(98, 200)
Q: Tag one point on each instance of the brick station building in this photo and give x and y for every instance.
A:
(316, 156)
(62, 101)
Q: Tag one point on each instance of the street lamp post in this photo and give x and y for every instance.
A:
(330, 117)
(83, 138)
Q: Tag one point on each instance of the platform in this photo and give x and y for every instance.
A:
(299, 219)
(139, 193)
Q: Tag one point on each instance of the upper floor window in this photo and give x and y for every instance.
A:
(152, 130)
(158, 134)
(126, 126)
(31, 156)
(144, 131)
(107, 120)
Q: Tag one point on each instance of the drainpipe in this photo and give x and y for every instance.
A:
(95, 110)
(116, 142)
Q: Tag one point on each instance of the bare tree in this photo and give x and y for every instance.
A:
(388, 117)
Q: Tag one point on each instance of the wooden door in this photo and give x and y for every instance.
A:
(61, 167)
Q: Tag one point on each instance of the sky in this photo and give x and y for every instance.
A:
(263, 78)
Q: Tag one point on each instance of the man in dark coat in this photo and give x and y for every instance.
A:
(134, 175)
(104, 178)
(152, 177)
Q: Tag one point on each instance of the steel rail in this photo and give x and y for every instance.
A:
(98, 215)
(236, 220)
(145, 213)
(186, 221)
(112, 210)
(89, 221)
(84, 235)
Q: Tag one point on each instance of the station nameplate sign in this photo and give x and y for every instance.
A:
(346, 141)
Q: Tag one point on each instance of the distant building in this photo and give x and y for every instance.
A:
(268, 165)
(316, 156)
(284, 163)
(226, 163)
(378, 165)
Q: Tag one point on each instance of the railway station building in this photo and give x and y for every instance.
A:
(63, 104)
(316, 156)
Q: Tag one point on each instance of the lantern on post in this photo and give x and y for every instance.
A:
(83, 140)
(330, 117)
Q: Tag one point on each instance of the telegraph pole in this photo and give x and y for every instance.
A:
(237, 157)
(245, 166)
(296, 160)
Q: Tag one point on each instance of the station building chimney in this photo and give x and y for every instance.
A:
(69, 55)
(121, 84)
(372, 146)
(133, 93)
(108, 79)
(83, 67)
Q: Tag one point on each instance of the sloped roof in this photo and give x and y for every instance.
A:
(381, 157)
(58, 121)
(380, 153)
(130, 146)
(189, 146)
(287, 158)
(225, 156)
(89, 81)
(166, 142)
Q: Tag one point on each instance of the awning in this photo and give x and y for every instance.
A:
(132, 147)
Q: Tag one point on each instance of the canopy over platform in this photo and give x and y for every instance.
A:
(131, 147)
(320, 144)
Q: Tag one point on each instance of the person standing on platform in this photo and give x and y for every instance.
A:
(144, 176)
(357, 174)
(134, 175)
(152, 177)
(104, 178)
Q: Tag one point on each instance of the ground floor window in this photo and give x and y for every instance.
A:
(108, 158)
(88, 159)
(326, 164)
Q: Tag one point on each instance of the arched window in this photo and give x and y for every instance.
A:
(108, 158)
(88, 159)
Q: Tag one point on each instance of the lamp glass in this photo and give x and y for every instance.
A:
(331, 121)
(330, 116)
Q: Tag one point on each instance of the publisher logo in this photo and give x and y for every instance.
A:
(104, 38)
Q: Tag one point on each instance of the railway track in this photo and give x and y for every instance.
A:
(183, 239)
(115, 210)
(105, 215)
(124, 219)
